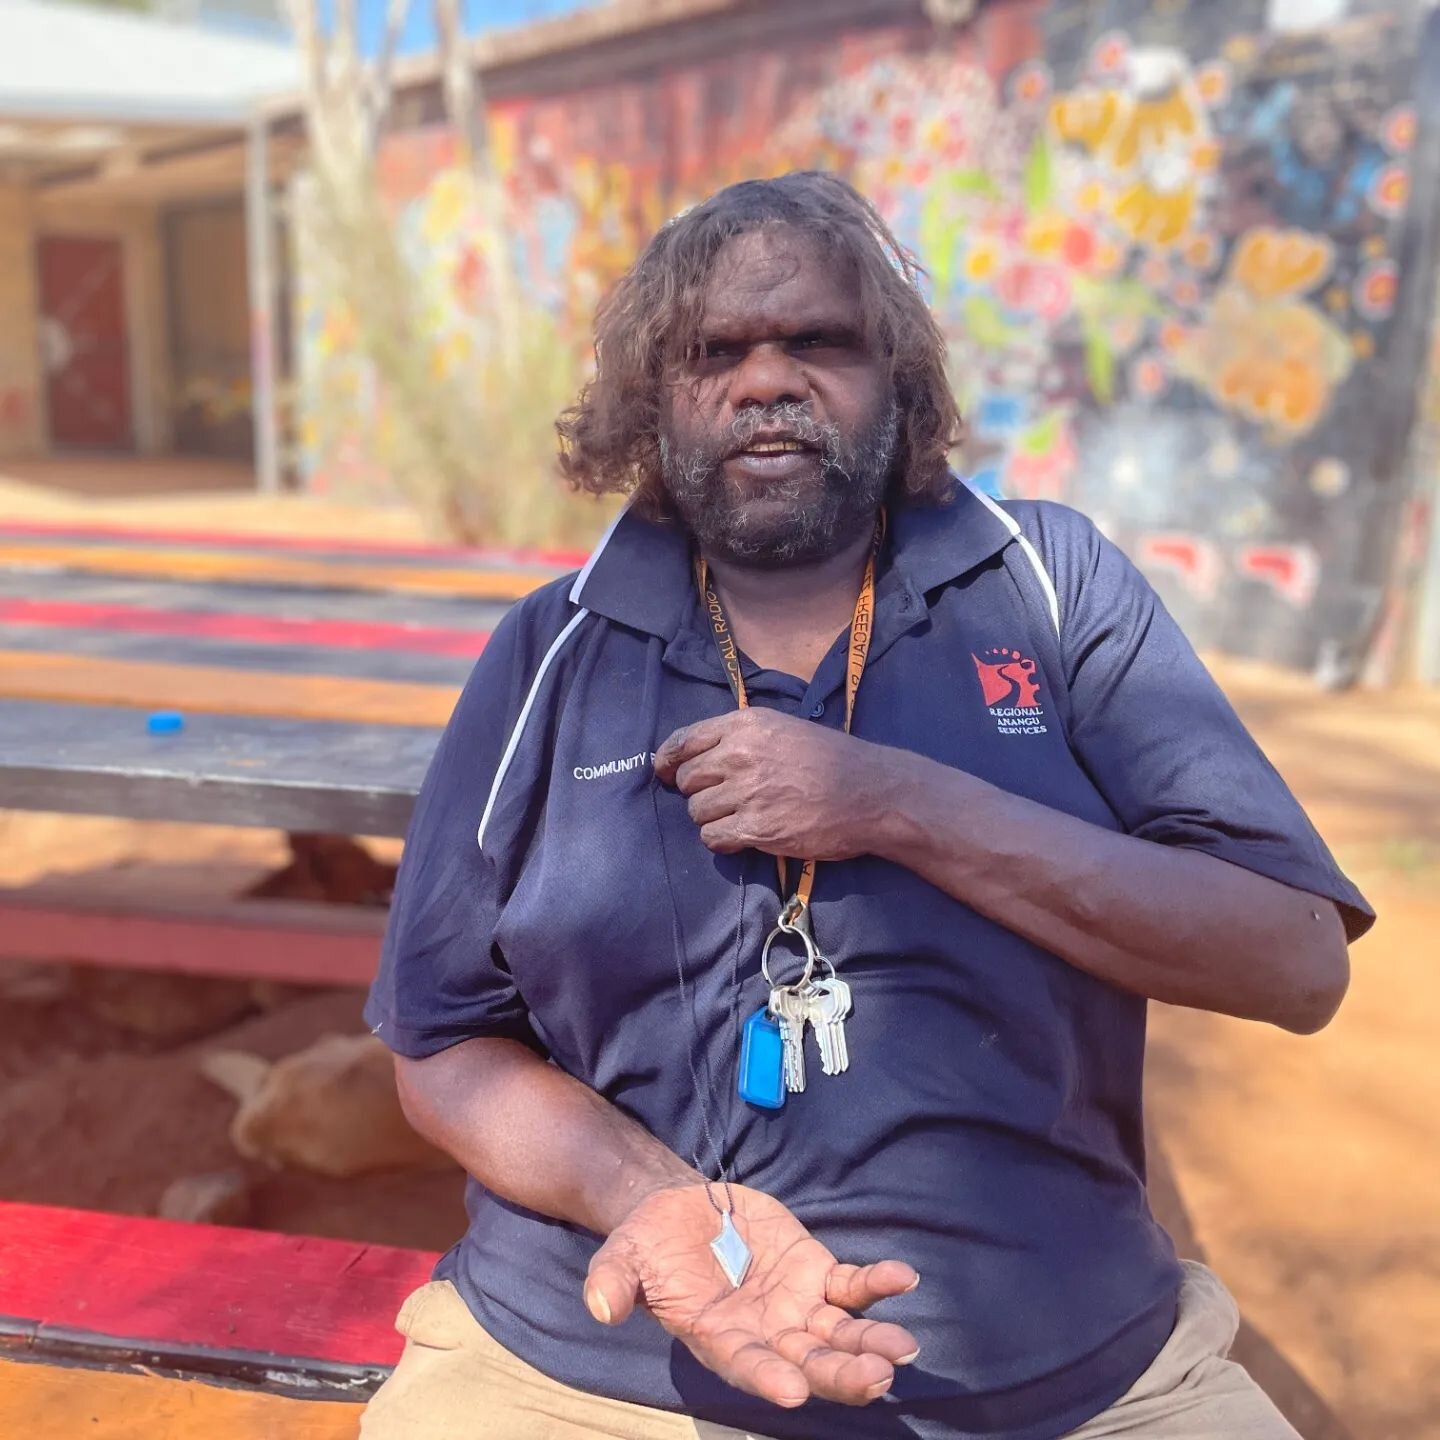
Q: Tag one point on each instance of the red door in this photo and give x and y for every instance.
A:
(83, 342)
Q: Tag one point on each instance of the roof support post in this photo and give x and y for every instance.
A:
(1427, 643)
(264, 356)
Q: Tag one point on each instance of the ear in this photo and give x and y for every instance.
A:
(236, 1072)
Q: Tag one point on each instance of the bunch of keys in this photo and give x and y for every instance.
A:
(822, 1005)
(769, 1071)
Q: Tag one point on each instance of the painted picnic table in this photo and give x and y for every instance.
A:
(314, 680)
(314, 677)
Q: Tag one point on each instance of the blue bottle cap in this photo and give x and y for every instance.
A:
(165, 722)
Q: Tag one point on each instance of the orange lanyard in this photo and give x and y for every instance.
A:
(796, 908)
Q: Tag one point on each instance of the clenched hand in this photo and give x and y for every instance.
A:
(759, 779)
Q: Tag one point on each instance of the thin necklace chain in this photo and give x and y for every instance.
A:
(705, 1094)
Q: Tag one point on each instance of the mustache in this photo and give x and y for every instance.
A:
(790, 420)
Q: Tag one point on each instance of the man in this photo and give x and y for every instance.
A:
(1028, 809)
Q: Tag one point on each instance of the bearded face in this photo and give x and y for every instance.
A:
(783, 428)
(795, 491)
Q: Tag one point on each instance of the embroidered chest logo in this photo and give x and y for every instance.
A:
(607, 768)
(1010, 683)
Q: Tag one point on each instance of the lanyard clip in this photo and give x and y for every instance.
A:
(795, 917)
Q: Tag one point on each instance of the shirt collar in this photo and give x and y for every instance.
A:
(640, 574)
(935, 544)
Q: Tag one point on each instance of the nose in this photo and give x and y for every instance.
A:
(768, 375)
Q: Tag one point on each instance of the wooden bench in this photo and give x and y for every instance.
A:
(297, 941)
(119, 1328)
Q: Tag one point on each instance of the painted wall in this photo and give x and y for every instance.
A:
(1162, 238)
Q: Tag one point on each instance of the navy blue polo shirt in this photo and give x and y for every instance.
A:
(988, 1130)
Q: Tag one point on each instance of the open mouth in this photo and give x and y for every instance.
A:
(775, 447)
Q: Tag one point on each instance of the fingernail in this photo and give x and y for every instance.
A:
(792, 1402)
(877, 1390)
(912, 1285)
(599, 1306)
(908, 1359)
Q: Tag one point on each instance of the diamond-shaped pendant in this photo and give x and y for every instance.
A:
(732, 1252)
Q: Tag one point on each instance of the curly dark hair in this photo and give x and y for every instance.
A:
(610, 438)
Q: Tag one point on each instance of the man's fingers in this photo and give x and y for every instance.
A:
(612, 1287)
(700, 771)
(849, 1379)
(854, 1287)
(723, 836)
(857, 1336)
(740, 1358)
(713, 804)
(687, 742)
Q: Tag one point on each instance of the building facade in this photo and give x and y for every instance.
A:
(125, 305)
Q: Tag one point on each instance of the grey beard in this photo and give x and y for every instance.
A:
(819, 520)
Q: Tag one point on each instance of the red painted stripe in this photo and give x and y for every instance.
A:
(258, 629)
(228, 539)
(201, 1285)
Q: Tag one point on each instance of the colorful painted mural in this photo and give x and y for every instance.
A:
(1164, 249)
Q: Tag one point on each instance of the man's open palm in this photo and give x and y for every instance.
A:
(786, 1333)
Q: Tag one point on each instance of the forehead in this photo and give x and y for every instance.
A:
(779, 278)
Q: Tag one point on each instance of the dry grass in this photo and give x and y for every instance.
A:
(456, 410)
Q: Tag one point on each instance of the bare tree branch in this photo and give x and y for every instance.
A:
(380, 96)
(305, 20)
(457, 76)
(345, 37)
(454, 405)
(465, 107)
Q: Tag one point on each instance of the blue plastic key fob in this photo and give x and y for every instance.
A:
(762, 1063)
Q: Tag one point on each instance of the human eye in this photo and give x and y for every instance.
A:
(715, 354)
(821, 343)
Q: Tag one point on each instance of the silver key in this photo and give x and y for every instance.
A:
(845, 1002)
(796, 1005)
(817, 1009)
(788, 1012)
(831, 1008)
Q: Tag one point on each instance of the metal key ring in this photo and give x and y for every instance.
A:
(811, 955)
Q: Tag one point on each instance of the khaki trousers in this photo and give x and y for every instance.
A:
(454, 1382)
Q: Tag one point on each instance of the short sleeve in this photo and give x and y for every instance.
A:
(1156, 733)
(442, 978)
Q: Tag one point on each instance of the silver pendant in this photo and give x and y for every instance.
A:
(731, 1251)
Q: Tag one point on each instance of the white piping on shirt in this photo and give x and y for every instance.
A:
(1031, 554)
(556, 645)
(604, 540)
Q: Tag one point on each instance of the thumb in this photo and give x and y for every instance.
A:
(613, 1284)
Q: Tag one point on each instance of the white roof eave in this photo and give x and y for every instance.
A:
(115, 111)
(71, 62)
